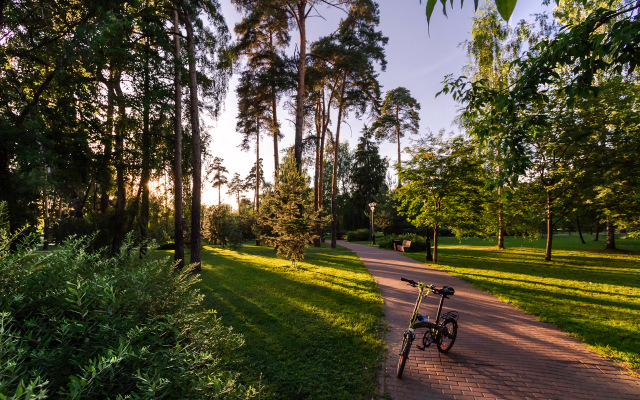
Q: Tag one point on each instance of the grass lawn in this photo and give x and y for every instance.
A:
(585, 291)
(314, 331)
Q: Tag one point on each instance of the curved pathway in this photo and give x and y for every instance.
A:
(500, 352)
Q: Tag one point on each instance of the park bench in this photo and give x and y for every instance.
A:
(406, 244)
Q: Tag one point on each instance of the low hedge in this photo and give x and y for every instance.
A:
(358, 235)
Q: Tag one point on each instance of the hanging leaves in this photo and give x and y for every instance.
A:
(505, 7)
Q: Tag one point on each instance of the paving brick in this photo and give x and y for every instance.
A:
(500, 352)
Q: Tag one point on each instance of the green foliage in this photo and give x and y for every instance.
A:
(217, 172)
(367, 175)
(442, 185)
(358, 235)
(418, 243)
(505, 7)
(223, 227)
(398, 115)
(571, 63)
(288, 210)
(76, 325)
(386, 216)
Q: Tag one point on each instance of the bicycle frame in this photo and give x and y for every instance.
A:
(427, 324)
(421, 288)
(435, 331)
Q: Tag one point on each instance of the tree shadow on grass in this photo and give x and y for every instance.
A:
(309, 338)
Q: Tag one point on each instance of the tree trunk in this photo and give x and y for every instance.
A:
(435, 244)
(59, 212)
(178, 227)
(107, 142)
(257, 171)
(500, 220)
(597, 232)
(580, 230)
(326, 118)
(316, 176)
(276, 132)
(547, 254)
(45, 233)
(196, 149)
(334, 176)
(399, 159)
(120, 130)
(145, 175)
(302, 66)
(611, 235)
(429, 255)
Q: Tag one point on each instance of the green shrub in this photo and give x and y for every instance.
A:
(76, 325)
(386, 242)
(358, 235)
(223, 226)
(418, 243)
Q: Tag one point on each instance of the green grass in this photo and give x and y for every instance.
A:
(591, 294)
(314, 331)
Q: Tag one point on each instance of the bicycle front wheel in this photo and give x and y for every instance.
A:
(404, 353)
(447, 335)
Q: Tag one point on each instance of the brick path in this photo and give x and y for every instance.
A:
(500, 352)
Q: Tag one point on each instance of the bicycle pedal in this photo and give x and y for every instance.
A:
(420, 348)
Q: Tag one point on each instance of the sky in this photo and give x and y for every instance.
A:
(418, 58)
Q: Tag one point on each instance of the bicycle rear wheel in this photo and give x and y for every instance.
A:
(404, 353)
(447, 335)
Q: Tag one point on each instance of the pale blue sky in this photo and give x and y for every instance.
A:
(416, 60)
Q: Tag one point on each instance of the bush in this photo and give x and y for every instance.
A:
(359, 235)
(418, 243)
(76, 325)
(386, 242)
(223, 226)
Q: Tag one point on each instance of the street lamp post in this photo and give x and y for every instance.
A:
(372, 206)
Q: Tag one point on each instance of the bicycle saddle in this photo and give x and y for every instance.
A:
(447, 291)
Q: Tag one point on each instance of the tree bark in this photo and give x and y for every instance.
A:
(611, 235)
(435, 244)
(429, 255)
(107, 142)
(196, 148)
(178, 226)
(398, 140)
(45, 233)
(326, 116)
(334, 177)
(302, 66)
(276, 132)
(318, 166)
(257, 170)
(120, 130)
(580, 230)
(316, 174)
(500, 220)
(547, 254)
(145, 175)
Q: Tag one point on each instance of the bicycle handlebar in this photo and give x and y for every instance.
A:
(410, 281)
(445, 291)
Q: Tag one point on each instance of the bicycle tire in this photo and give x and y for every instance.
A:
(447, 335)
(428, 338)
(404, 353)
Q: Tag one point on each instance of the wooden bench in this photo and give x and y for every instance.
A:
(406, 244)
